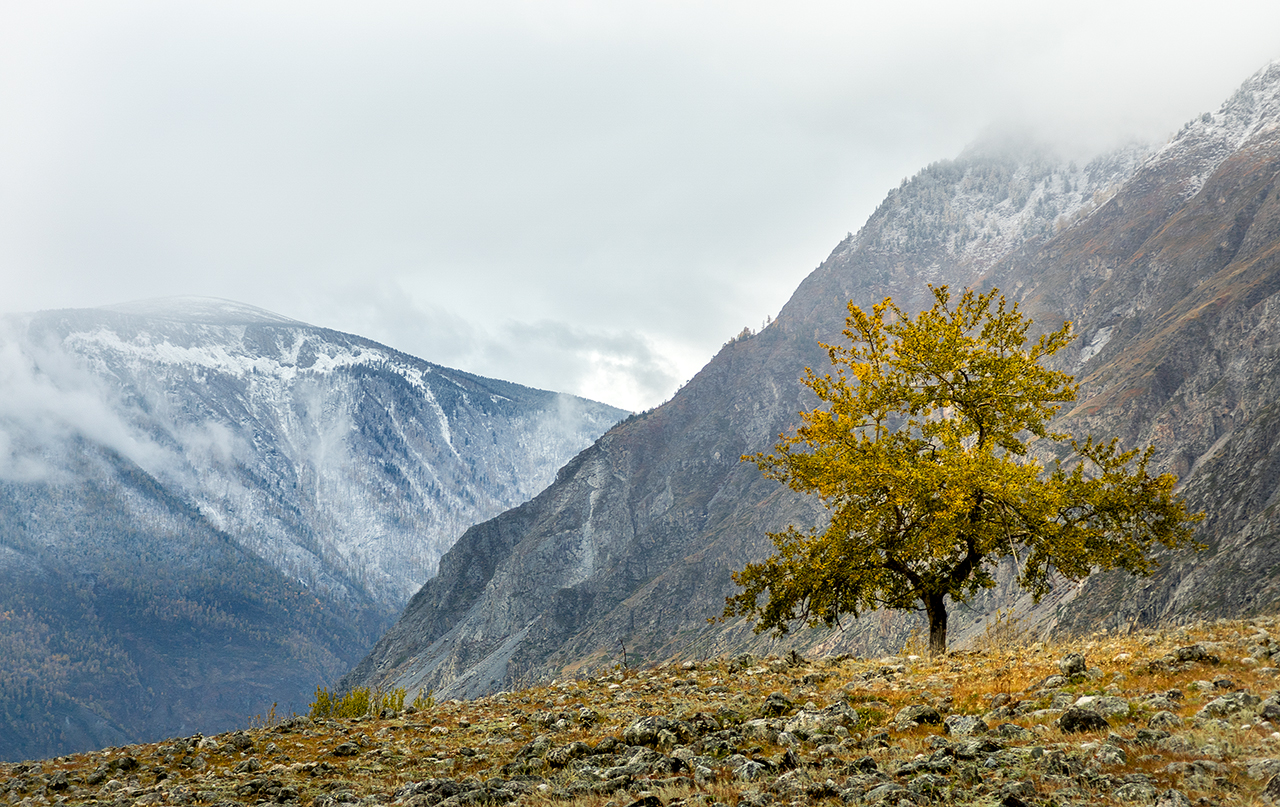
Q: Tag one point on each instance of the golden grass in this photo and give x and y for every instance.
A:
(474, 739)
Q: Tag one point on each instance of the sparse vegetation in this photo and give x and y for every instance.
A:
(751, 731)
(359, 702)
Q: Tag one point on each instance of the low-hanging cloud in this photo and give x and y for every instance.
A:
(50, 398)
(618, 366)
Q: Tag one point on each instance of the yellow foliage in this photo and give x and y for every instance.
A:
(356, 703)
(921, 451)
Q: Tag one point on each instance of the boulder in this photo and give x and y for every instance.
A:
(1077, 719)
(1072, 664)
(917, 714)
(964, 725)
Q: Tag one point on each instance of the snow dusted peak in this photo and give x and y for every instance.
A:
(1002, 191)
(1251, 109)
(1204, 142)
(205, 310)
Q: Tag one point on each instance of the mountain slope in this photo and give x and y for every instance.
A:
(1165, 262)
(1175, 296)
(633, 546)
(206, 508)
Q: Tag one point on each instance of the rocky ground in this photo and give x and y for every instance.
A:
(1177, 717)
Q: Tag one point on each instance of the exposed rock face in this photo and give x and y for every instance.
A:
(1166, 263)
(1173, 288)
(206, 509)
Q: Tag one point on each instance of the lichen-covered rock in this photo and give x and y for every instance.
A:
(1072, 664)
(964, 725)
(916, 714)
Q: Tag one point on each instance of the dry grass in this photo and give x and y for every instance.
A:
(475, 739)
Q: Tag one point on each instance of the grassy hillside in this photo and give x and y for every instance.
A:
(1183, 716)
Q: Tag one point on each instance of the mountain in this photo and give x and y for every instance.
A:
(206, 508)
(1164, 258)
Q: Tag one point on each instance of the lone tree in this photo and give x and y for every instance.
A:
(920, 450)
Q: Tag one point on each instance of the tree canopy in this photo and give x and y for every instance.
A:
(921, 450)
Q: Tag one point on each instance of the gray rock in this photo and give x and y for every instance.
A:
(917, 714)
(1111, 755)
(964, 725)
(1072, 664)
(1076, 720)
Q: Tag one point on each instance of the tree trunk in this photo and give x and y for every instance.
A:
(936, 607)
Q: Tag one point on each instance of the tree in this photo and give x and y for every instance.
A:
(921, 450)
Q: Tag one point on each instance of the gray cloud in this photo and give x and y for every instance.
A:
(436, 175)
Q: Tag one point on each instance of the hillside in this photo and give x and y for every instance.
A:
(206, 508)
(1170, 718)
(1164, 259)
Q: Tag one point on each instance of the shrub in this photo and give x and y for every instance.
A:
(356, 703)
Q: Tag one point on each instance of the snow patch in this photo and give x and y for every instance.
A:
(1096, 344)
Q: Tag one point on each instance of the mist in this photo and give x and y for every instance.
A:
(584, 197)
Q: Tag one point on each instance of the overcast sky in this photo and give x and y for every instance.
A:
(589, 197)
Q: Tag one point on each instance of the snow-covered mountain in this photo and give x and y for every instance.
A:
(157, 450)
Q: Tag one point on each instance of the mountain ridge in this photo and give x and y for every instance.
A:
(215, 509)
(1074, 244)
